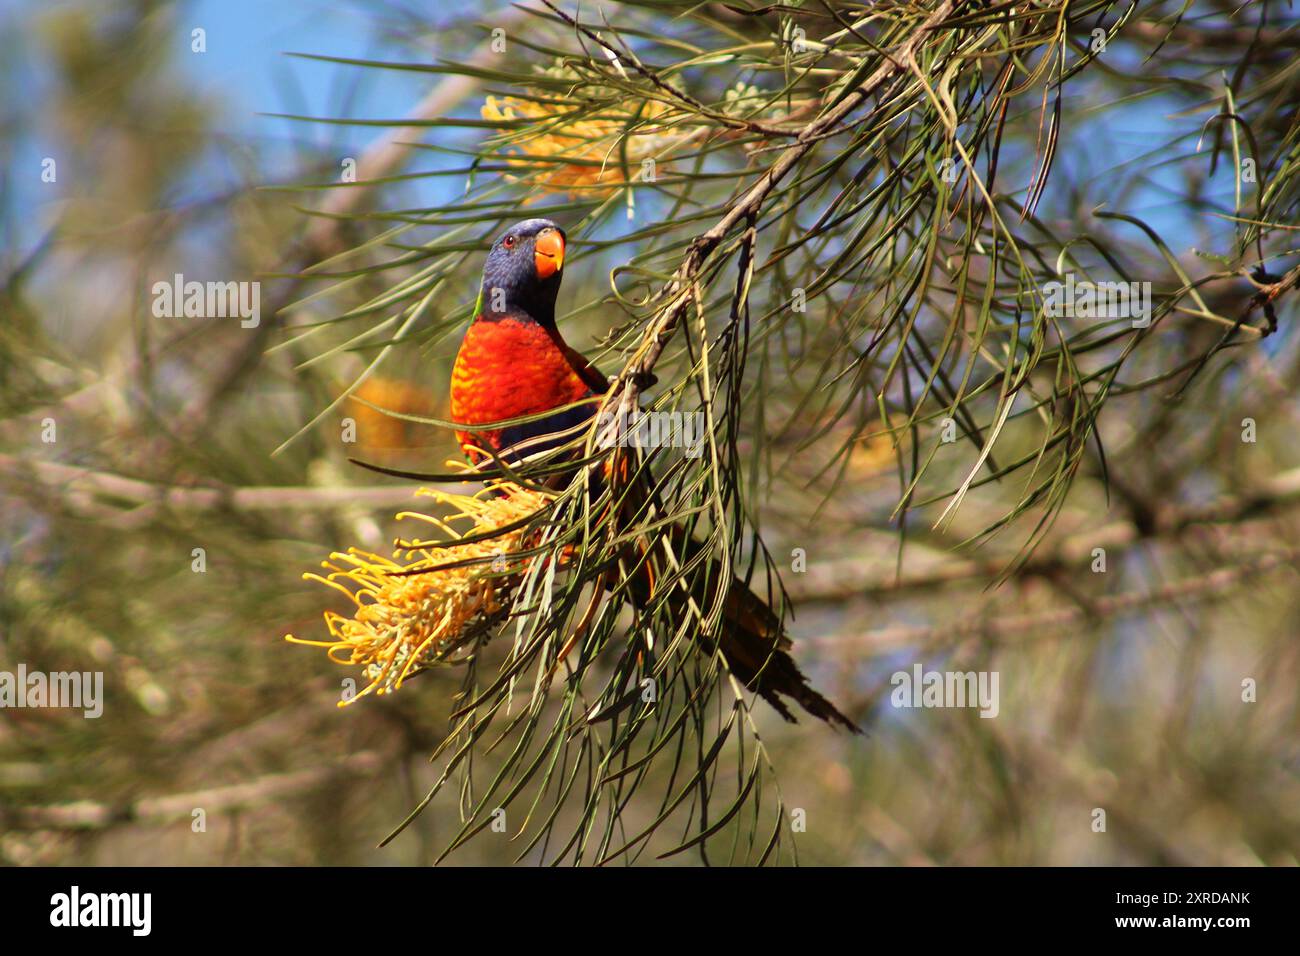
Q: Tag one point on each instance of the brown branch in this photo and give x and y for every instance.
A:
(1235, 39)
(1055, 621)
(95, 815)
(842, 579)
(90, 489)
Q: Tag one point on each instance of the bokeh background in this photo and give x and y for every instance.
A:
(1120, 690)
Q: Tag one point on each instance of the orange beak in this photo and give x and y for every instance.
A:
(548, 252)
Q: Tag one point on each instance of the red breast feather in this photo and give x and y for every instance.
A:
(508, 368)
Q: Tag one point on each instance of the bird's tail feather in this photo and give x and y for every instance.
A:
(751, 637)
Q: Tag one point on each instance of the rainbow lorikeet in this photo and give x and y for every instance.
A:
(513, 363)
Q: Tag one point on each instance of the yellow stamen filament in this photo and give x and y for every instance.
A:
(404, 623)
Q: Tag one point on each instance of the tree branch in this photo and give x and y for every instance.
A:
(679, 292)
(94, 815)
(83, 486)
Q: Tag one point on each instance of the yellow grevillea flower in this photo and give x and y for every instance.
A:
(608, 147)
(599, 144)
(405, 621)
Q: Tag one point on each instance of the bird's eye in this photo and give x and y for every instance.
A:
(510, 242)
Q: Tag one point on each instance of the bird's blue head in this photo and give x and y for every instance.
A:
(523, 271)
